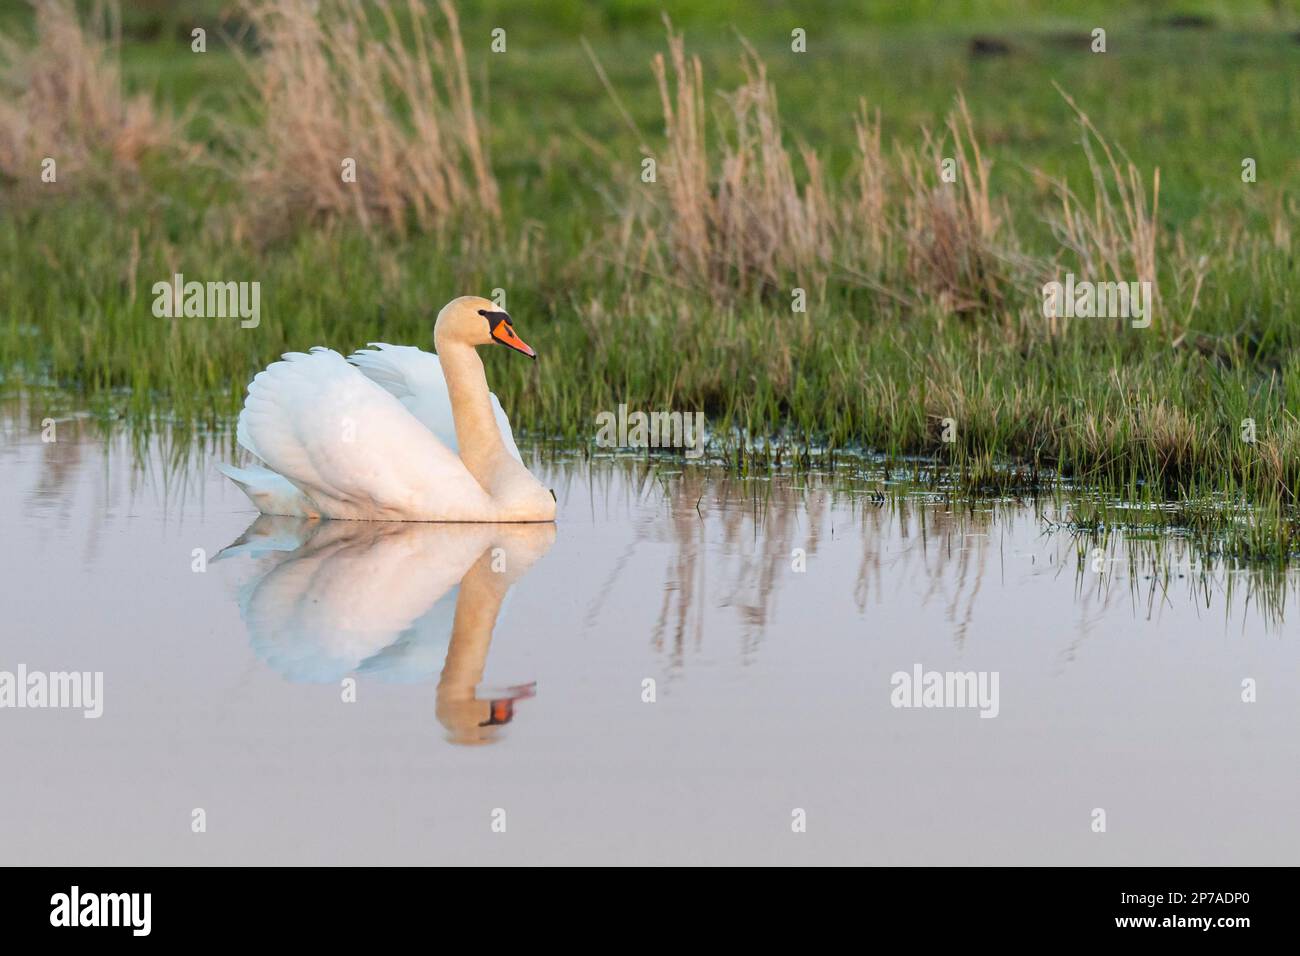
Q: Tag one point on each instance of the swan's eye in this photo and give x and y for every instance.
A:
(494, 318)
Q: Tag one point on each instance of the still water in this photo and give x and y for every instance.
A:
(685, 668)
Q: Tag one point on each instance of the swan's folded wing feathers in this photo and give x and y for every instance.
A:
(340, 436)
(278, 400)
(403, 370)
(414, 377)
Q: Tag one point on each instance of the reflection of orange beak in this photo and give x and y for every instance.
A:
(501, 702)
(504, 333)
(499, 712)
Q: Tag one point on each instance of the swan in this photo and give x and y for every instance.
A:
(392, 433)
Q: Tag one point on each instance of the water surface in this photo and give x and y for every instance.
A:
(508, 669)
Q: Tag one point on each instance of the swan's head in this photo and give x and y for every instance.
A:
(471, 320)
(470, 719)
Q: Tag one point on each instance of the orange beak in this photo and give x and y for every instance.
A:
(504, 333)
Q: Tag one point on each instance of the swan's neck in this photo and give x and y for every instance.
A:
(477, 432)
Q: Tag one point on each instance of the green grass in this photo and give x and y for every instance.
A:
(1150, 413)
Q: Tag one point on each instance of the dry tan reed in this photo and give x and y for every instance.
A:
(1115, 238)
(734, 215)
(957, 249)
(871, 211)
(743, 222)
(383, 87)
(62, 98)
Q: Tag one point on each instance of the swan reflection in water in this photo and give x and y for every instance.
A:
(394, 601)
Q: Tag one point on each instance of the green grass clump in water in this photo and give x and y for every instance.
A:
(1150, 414)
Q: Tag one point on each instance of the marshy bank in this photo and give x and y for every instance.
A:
(802, 265)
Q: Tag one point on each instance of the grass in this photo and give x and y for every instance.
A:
(821, 171)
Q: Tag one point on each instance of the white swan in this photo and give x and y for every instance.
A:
(377, 436)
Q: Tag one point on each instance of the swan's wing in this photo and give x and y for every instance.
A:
(414, 377)
(351, 445)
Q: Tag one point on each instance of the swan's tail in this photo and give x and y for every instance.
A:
(273, 494)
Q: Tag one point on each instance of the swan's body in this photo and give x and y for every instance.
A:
(393, 434)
